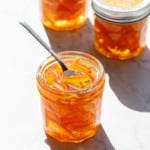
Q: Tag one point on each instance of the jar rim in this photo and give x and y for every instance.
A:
(121, 15)
(70, 52)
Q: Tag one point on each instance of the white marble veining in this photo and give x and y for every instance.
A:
(126, 102)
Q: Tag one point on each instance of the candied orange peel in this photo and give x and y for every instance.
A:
(78, 80)
(82, 77)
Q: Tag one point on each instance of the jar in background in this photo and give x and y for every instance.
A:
(63, 15)
(120, 27)
(71, 113)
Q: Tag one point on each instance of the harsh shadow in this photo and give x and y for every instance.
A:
(79, 39)
(99, 142)
(130, 80)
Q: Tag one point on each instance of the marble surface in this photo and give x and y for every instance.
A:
(125, 120)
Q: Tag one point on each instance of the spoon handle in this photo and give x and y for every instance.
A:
(41, 41)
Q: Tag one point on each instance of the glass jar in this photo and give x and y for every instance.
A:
(71, 114)
(63, 15)
(120, 27)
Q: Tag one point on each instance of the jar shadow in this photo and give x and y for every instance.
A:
(99, 142)
(130, 80)
(79, 39)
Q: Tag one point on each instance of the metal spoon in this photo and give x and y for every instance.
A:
(66, 72)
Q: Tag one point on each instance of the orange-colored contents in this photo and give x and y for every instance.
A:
(123, 3)
(120, 41)
(71, 113)
(64, 14)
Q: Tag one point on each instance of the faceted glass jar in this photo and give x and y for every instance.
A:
(71, 115)
(64, 15)
(120, 33)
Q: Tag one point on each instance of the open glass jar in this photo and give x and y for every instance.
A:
(120, 27)
(71, 113)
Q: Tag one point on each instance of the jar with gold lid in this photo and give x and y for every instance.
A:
(120, 27)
